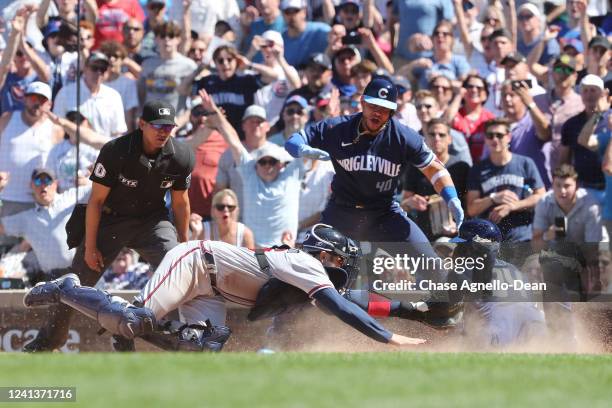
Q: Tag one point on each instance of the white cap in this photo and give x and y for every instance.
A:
(39, 88)
(255, 111)
(273, 36)
(532, 8)
(592, 80)
(274, 151)
(287, 4)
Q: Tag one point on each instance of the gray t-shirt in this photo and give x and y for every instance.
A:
(583, 221)
(160, 79)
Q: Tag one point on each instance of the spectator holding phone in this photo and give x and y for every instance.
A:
(567, 212)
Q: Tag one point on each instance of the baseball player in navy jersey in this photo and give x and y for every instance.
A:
(369, 150)
(268, 281)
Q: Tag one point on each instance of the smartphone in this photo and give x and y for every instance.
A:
(352, 38)
(517, 84)
(560, 227)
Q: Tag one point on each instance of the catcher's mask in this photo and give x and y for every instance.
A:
(322, 237)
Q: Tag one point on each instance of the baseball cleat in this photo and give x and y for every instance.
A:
(48, 293)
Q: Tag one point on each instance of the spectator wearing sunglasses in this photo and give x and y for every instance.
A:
(20, 66)
(131, 178)
(532, 32)
(295, 115)
(271, 189)
(44, 225)
(504, 187)
(468, 115)
(563, 102)
(224, 225)
(101, 105)
(26, 137)
(112, 15)
(161, 75)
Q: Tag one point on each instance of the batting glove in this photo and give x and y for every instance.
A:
(312, 153)
(454, 205)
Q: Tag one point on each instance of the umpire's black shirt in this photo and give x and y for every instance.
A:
(139, 183)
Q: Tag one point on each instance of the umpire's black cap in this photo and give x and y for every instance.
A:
(158, 112)
(381, 91)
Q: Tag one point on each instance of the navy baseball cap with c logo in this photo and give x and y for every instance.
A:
(158, 112)
(380, 91)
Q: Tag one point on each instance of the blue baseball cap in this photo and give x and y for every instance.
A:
(381, 92)
(52, 27)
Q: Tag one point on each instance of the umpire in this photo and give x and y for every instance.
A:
(127, 208)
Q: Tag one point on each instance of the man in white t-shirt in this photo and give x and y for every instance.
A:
(101, 105)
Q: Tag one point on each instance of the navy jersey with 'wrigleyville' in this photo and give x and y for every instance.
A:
(367, 168)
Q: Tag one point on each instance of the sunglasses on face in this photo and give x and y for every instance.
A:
(43, 181)
(201, 112)
(474, 86)
(222, 61)
(291, 11)
(267, 162)
(563, 70)
(222, 207)
(164, 128)
(291, 111)
(491, 135)
(350, 10)
(19, 54)
(525, 17)
(442, 34)
(443, 87)
(424, 105)
(131, 28)
(39, 99)
(197, 50)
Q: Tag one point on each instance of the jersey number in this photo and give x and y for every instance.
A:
(384, 185)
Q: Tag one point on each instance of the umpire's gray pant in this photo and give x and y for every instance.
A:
(151, 236)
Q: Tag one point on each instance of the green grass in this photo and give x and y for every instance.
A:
(317, 380)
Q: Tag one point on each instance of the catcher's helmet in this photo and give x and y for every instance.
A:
(322, 237)
(478, 230)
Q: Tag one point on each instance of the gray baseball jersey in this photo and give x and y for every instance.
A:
(184, 276)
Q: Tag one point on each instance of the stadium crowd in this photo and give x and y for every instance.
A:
(512, 96)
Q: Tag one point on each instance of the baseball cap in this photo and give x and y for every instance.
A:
(38, 88)
(565, 60)
(532, 8)
(402, 84)
(43, 170)
(158, 112)
(320, 60)
(592, 80)
(347, 2)
(292, 4)
(381, 92)
(274, 151)
(297, 99)
(255, 111)
(349, 49)
(273, 36)
(99, 59)
(52, 27)
(515, 57)
(575, 43)
(599, 41)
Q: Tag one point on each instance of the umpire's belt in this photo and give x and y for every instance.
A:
(361, 206)
(209, 261)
